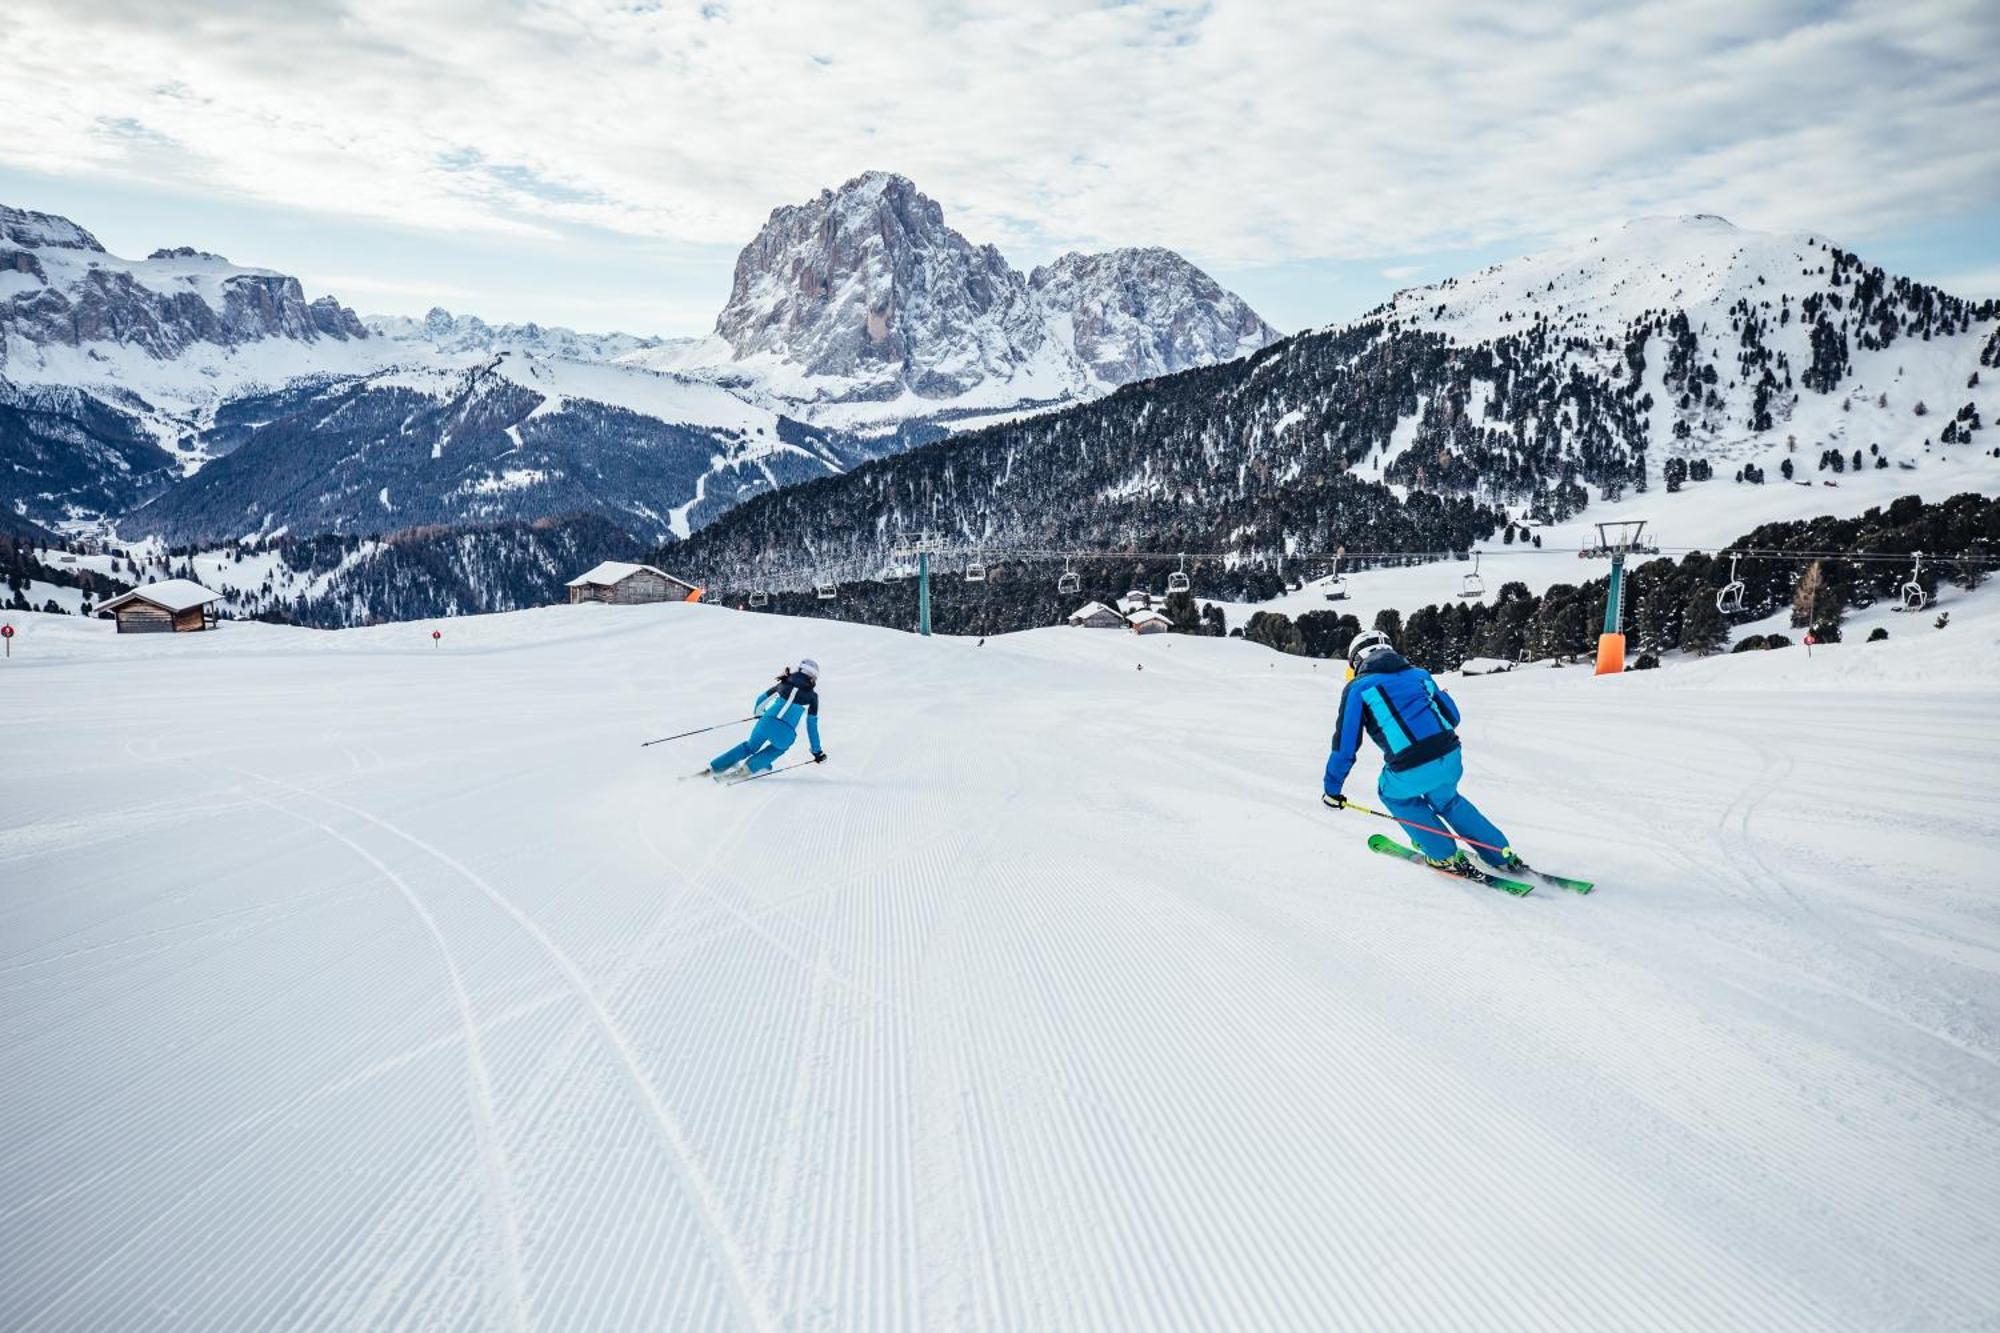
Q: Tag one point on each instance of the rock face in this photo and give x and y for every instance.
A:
(58, 287)
(867, 285)
(30, 230)
(1138, 313)
(864, 293)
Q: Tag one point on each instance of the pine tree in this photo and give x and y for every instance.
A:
(1702, 628)
(1327, 633)
(1274, 629)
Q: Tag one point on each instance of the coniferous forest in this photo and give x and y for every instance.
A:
(1670, 603)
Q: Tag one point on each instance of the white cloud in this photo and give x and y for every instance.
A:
(1241, 132)
(1398, 272)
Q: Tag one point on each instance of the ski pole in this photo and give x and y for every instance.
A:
(803, 763)
(697, 731)
(1411, 823)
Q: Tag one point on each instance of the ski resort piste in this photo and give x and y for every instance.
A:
(362, 979)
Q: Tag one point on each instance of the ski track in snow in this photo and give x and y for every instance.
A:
(407, 990)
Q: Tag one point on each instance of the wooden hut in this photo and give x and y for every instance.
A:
(627, 585)
(1150, 622)
(172, 606)
(1096, 615)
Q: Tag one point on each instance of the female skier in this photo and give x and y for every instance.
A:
(777, 710)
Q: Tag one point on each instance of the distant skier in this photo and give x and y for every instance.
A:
(778, 710)
(1415, 723)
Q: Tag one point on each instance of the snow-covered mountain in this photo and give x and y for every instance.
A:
(192, 399)
(1709, 342)
(1673, 359)
(60, 289)
(123, 382)
(505, 437)
(109, 366)
(863, 307)
(1135, 314)
(195, 401)
(446, 332)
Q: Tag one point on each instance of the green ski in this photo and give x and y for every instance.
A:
(1388, 846)
(1559, 881)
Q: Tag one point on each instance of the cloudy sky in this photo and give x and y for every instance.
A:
(598, 163)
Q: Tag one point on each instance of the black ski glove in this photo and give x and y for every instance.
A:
(1334, 802)
(819, 756)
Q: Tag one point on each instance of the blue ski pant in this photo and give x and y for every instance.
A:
(770, 738)
(1428, 794)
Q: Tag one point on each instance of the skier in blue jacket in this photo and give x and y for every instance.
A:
(778, 710)
(1415, 723)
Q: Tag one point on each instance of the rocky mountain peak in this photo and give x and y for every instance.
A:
(34, 231)
(865, 293)
(867, 285)
(1140, 312)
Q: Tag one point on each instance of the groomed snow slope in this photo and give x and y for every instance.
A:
(353, 982)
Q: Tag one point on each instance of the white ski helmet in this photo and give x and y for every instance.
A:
(809, 667)
(1366, 645)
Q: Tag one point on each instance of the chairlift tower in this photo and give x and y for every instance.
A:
(1615, 541)
(920, 546)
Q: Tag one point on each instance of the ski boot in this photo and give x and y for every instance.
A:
(1455, 864)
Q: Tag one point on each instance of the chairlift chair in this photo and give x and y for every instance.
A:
(1913, 594)
(826, 590)
(975, 572)
(1336, 586)
(1730, 600)
(1069, 580)
(760, 598)
(1471, 588)
(1178, 580)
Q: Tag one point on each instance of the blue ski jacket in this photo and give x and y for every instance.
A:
(1401, 709)
(793, 695)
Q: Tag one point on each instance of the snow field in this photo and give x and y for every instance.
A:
(352, 982)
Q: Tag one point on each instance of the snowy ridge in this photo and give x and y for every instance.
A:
(1741, 309)
(592, 1049)
(1700, 263)
(445, 332)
